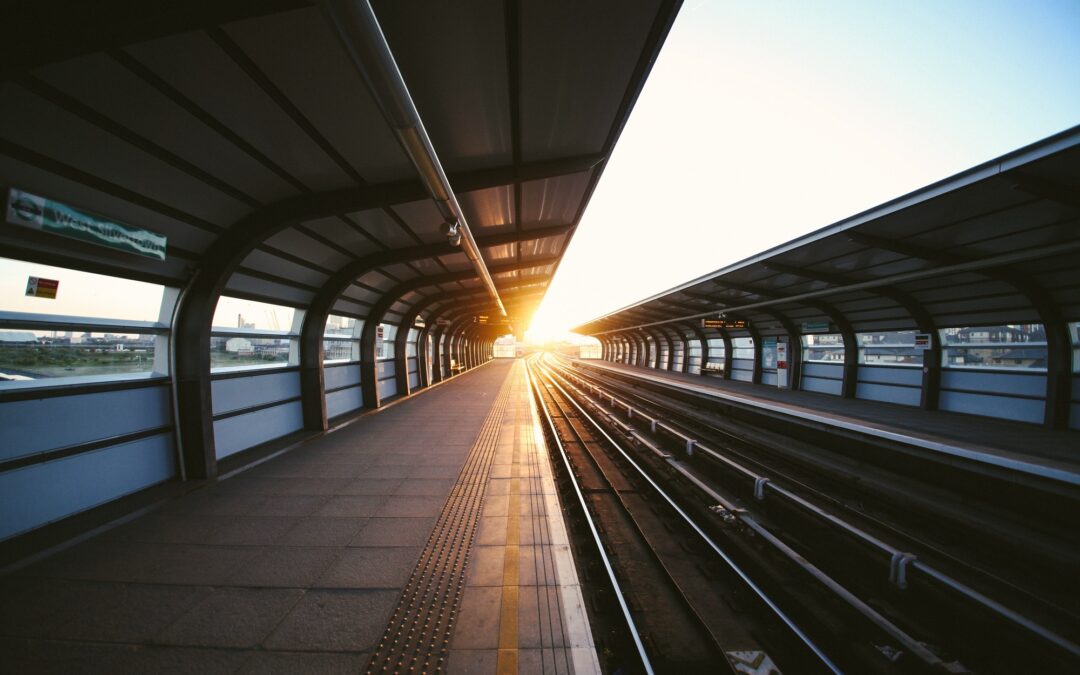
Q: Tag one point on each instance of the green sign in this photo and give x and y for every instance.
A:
(815, 327)
(48, 216)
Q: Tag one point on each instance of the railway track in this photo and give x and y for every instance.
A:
(923, 618)
(687, 602)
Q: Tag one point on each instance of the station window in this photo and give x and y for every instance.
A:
(251, 334)
(742, 348)
(889, 348)
(1009, 347)
(716, 348)
(81, 294)
(823, 348)
(384, 341)
(341, 339)
(43, 354)
(79, 326)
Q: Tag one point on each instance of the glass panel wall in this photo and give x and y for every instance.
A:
(384, 341)
(341, 339)
(823, 348)
(63, 326)
(889, 348)
(249, 334)
(1008, 347)
(741, 348)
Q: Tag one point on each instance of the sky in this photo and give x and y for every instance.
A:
(762, 121)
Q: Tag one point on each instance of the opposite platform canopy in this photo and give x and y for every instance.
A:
(244, 125)
(997, 244)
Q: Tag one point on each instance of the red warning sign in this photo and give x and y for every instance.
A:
(37, 287)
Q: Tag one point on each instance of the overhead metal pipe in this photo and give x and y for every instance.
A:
(360, 33)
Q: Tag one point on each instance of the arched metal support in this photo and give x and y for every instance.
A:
(423, 376)
(311, 373)
(438, 367)
(643, 349)
(665, 331)
(401, 354)
(679, 333)
(652, 346)
(655, 349)
(686, 348)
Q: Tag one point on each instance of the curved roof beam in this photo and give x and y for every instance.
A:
(302, 208)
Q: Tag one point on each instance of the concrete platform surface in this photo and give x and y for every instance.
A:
(295, 565)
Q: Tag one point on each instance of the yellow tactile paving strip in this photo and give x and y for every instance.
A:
(418, 634)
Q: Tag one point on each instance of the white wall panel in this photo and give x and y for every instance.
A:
(237, 393)
(233, 434)
(343, 401)
(36, 495)
(40, 425)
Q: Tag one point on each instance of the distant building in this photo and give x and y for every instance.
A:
(17, 337)
(239, 345)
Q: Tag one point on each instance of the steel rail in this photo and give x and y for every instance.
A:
(728, 560)
(534, 385)
(767, 484)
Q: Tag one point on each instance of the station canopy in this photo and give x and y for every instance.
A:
(997, 244)
(245, 127)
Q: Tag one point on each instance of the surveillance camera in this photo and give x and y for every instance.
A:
(449, 229)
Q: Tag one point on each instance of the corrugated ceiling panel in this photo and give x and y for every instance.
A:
(554, 201)
(381, 226)
(376, 279)
(453, 56)
(271, 264)
(423, 219)
(303, 246)
(576, 64)
(325, 87)
(497, 254)
(489, 211)
(343, 234)
(239, 284)
(109, 88)
(203, 72)
(542, 248)
(46, 129)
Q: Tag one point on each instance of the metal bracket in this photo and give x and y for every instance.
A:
(759, 488)
(690, 443)
(898, 569)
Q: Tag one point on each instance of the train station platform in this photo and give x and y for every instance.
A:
(1016, 446)
(425, 535)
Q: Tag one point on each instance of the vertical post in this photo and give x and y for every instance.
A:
(401, 357)
(756, 336)
(369, 371)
